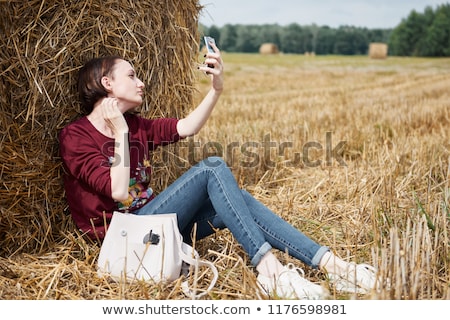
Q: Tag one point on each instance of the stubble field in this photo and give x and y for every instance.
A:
(354, 152)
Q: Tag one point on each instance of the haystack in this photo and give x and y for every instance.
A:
(378, 50)
(268, 48)
(44, 43)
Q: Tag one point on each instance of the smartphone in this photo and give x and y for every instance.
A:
(208, 40)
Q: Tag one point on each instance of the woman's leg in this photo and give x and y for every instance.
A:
(283, 236)
(208, 194)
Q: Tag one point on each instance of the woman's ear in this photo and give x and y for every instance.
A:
(106, 83)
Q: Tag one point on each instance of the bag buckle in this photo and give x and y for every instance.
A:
(151, 238)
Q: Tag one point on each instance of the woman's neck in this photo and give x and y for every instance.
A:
(99, 123)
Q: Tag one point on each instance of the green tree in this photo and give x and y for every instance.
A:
(423, 34)
(228, 38)
(291, 40)
(269, 33)
(406, 37)
(298, 39)
(350, 40)
(437, 41)
(326, 39)
(314, 30)
(247, 38)
(378, 35)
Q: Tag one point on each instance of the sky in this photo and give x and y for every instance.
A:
(372, 14)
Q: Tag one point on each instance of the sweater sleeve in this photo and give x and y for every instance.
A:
(86, 160)
(160, 132)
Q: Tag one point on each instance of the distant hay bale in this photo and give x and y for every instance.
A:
(268, 48)
(378, 50)
(43, 44)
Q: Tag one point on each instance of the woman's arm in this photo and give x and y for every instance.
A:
(192, 123)
(120, 168)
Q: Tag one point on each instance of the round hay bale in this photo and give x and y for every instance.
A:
(378, 50)
(44, 43)
(268, 48)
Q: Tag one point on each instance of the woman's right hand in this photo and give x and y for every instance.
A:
(113, 116)
(120, 171)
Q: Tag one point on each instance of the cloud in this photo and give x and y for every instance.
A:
(334, 13)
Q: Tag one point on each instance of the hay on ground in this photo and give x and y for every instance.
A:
(268, 48)
(378, 50)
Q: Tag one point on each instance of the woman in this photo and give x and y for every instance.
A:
(105, 155)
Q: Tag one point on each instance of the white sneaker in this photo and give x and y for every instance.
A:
(291, 285)
(359, 278)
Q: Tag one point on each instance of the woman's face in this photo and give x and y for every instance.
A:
(125, 86)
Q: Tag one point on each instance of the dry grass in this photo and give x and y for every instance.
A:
(389, 205)
(378, 50)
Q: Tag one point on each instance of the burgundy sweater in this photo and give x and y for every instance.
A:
(87, 157)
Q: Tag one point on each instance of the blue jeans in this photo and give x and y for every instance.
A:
(209, 196)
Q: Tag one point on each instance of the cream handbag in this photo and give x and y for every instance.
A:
(149, 248)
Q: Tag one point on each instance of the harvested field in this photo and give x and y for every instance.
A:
(354, 152)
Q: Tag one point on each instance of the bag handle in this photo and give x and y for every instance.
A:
(197, 262)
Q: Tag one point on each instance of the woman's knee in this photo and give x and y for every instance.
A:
(217, 167)
(213, 162)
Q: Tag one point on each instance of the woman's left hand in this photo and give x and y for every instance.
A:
(194, 121)
(213, 66)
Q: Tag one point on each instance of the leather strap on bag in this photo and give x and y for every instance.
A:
(197, 263)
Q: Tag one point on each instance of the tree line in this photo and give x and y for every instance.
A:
(420, 34)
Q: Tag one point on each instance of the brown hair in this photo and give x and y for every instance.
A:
(90, 88)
